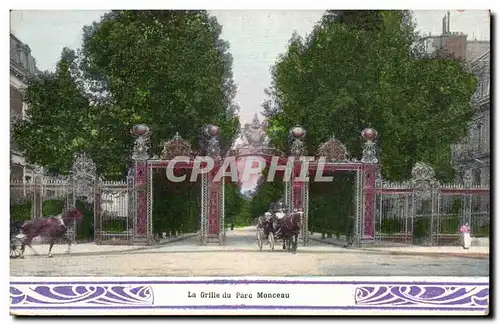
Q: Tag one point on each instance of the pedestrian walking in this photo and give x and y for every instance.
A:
(465, 234)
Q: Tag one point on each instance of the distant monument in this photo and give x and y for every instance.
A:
(254, 137)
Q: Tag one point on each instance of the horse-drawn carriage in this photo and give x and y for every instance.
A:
(16, 239)
(265, 231)
(279, 226)
(53, 228)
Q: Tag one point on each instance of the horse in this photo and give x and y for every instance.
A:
(289, 230)
(53, 228)
(265, 222)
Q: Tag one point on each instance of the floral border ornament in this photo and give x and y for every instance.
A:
(116, 295)
(418, 295)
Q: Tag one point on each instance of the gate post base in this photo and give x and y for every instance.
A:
(367, 243)
(143, 241)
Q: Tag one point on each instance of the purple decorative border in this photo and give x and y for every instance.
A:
(414, 295)
(95, 295)
(368, 295)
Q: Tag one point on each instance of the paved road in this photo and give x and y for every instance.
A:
(240, 257)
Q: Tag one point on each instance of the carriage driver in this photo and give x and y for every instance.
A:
(280, 214)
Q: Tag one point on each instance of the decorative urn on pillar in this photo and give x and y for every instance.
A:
(141, 143)
(369, 152)
(297, 135)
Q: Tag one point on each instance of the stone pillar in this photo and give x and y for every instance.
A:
(370, 166)
(369, 173)
(213, 206)
(298, 187)
(141, 188)
(300, 197)
(143, 196)
(214, 189)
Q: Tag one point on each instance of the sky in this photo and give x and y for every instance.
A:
(257, 37)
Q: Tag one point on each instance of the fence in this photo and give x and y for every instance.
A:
(40, 196)
(114, 221)
(108, 207)
(424, 212)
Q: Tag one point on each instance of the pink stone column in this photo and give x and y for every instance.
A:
(369, 173)
(141, 173)
(297, 190)
(213, 203)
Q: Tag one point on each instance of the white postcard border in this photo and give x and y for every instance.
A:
(245, 295)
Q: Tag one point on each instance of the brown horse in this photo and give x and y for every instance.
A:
(290, 229)
(53, 228)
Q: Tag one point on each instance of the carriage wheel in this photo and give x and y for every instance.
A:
(259, 238)
(15, 247)
(270, 240)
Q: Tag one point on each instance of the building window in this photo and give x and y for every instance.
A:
(485, 176)
(16, 101)
(476, 176)
(479, 136)
(16, 173)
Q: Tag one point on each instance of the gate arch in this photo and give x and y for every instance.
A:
(331, 155)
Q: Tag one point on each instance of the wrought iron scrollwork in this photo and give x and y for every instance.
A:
(83, 175)
(423, 180)
(176, 147)
(467, 179)
(333, 150)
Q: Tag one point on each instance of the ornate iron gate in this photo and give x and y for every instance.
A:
(114, 222)
(424, 212)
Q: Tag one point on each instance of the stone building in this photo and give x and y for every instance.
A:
(456, 43)
(473, 152)
(476, 48)
(22, 66)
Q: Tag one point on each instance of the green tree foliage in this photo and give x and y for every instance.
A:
(236, 206)
(168, 69)
(366, 69)
(59, 122)
(265, 194)
(360, 69)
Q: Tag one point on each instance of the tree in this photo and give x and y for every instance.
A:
(169, 69)
(359, 71)
(265, 194)
(59, 122)
(367, 69)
